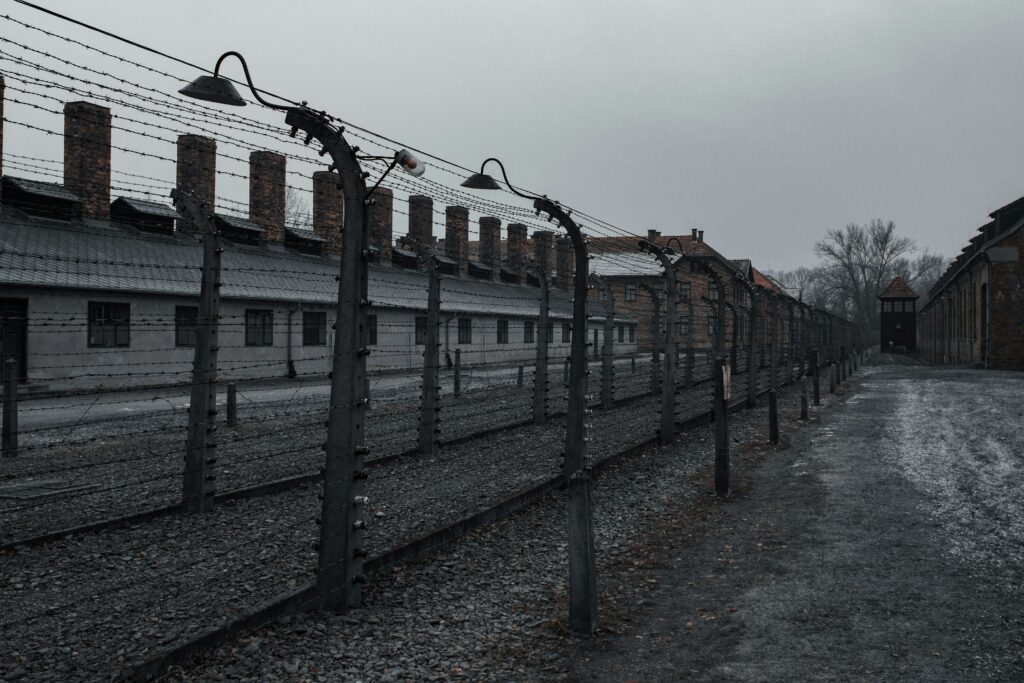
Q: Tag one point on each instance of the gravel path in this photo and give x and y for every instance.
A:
(884, 544)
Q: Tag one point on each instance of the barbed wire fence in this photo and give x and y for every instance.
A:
(189, 371)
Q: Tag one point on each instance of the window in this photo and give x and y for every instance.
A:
(683, 326)
(528, 332)
(503, 332)
(887, 307)
(421, 330)
(566, 333)
(465, 330)
(259, 327)
(371, 330)
(185, 320)
(632, 333)
(602, 293)
(630, 294)
(712, 291)
(551, 333)
(109, 324)
(712, 322)
(314, 328)
(684, 291)
(622, 333)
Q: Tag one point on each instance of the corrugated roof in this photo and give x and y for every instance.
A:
(42, 189)
(898, 289)
(71, 254)
(147, 207)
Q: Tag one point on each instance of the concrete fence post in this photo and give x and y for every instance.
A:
(803, 397)
(565, 372)
(232, 407)
(773, 408)
(519, 377)
(10, 420)
(198, 481)
(817, 382)
(458, 372)
(721, 416)
(540, 374)
(832, 378)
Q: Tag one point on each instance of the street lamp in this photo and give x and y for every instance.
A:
(582, 565)
(341, 553)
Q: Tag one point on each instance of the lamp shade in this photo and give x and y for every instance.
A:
(410, 164)
(213, 89)
(481, 181)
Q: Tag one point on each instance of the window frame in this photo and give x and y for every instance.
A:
(103, 318)
(529, 332)
(185, 325)
(419, 333)
(566, 333)
(264, 331)
(629, 291)
(314, 328)
(465, 330)
(371, 329)
(502, 331)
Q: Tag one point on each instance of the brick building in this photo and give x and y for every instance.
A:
(975, 312)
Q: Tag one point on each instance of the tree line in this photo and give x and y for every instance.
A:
(856, 264)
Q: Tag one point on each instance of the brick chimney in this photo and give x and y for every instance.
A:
(197, 172)
(421, 219)
(380, 220)
(542, 243)
(563, 262)
(87, 156)
(652, 236)
(328, 210)
(490, 244)
(267, 193)
(693, 234)
(515, 259)
(700, 235)
(456, 236)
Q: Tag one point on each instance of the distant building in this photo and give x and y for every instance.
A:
(975, 312)
(898, 317)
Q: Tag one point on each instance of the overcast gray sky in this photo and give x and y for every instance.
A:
(762, 123)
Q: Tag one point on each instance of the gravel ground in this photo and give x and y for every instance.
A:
(77, 608)
(492, 606)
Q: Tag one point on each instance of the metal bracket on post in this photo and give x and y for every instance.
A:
(10, 417)
(431, 384)
(340, 567)
(198, 482)
(608, 351)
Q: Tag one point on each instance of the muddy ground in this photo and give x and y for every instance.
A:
(884, 542)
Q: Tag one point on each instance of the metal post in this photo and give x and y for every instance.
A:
(10, 426)
(752, 351)
(232, 405)
(458, 372)
(582, 556)
(540, 375)
(721, 416)
(817, 382)
(667, 430)
(198, 481)
(340, 568)
(608, 351)
(803, 397)
(773, 408)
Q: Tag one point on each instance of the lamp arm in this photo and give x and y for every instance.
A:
(505, 176)
(248, 78)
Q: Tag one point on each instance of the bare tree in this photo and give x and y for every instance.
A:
(296, 210)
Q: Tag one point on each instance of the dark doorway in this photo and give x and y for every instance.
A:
(13, 324)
